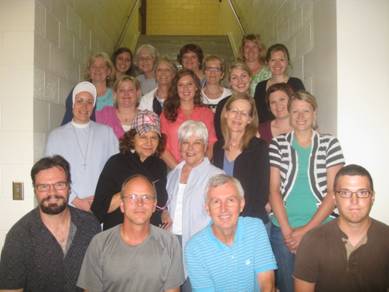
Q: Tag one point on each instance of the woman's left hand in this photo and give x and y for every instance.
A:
(297, 235)
(166, 220)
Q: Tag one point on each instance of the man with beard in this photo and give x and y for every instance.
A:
(43, 251)
(350, 253)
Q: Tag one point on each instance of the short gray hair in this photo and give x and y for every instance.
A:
(221, 179)
(152, 51)
(193, 128)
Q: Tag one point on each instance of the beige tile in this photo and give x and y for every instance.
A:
(40, 19)
(52, 29)
(16, 15)
(41, 116)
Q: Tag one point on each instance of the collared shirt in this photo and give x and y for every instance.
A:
(215, 266)
(322, 259)
(32, 258)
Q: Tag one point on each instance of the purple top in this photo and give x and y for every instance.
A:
(265, 131)
(107, 116)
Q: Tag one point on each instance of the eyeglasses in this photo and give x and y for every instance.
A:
(134, 198)
(58, 186)
(347, 194)
(213, 69)
(145, 59)
(235, 112)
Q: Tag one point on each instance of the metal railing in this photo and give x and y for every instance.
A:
(125, 26)
(236, 16)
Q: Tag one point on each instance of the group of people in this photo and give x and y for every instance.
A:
(196, 186)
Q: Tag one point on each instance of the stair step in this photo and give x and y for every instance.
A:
(169, 45)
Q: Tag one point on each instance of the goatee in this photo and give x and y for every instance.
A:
(53, 208)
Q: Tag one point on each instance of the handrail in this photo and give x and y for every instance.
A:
(236, 16)
(125, 26)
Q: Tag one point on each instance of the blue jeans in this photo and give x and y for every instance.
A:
(284, 258)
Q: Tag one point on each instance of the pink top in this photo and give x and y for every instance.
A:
(107, 116)
(170, 129)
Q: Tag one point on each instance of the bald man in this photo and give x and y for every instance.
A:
(135, 255)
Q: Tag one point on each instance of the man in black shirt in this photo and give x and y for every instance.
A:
(44, 250)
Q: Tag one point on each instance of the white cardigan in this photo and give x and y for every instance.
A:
(146, 101)
(194, 215)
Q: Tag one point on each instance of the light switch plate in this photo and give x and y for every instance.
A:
(17, 190)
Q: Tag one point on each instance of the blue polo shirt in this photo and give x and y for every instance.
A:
(214, 266)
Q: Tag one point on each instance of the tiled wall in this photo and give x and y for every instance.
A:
(44, 45)
(308, 29)
(286, 21)
(66, 33)
(183, 17)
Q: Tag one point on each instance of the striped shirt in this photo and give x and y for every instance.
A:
(214, 266)
(326, 152)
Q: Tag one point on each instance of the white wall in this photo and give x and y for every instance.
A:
(16, 110)
(44, 46)
(363, 90)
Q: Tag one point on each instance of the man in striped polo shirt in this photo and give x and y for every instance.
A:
(232, 253)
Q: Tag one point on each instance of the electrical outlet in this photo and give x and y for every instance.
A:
(17, 190)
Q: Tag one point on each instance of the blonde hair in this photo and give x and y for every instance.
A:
(122, 79)
(303, 95)
(251, 129)
(238, 65)
(167, 61)
(108, 63)
(215, 58)
(256, 38)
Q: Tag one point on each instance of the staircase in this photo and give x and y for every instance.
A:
(169, 46)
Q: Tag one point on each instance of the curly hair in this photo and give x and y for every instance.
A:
(172, 104)
(126, 143)
(256, 38)
(108, 63)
